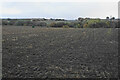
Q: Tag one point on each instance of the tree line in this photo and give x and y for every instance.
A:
(80, 23)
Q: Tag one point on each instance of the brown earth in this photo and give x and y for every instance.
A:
(59, 52)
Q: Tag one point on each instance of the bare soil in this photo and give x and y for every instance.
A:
(59, 52)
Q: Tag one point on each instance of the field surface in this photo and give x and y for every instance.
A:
(59, 52)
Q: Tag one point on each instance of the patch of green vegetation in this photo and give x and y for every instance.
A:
(84, 23)
(108, 23)
(109, 31)
(91, 21)
(65, 26)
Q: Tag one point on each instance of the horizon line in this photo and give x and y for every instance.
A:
(53, 18)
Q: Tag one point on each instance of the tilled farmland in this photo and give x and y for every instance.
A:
(59, 52)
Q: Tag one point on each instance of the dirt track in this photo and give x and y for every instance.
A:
(59, 52)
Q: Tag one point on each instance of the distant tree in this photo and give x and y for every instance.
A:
(4, 22)
(44, 19)
(113, 18)
(39, 23)
(8, 19)
(51, 19)
(12, 22)
(19, 23)
(59, 19)
(78, 26)
(118, 25)
(87, 18)
(65, 26)
(53, 24)
(107, 18)
(60, 24)
(80, 19)
(85, 25)
(108, 23)
(57, 24)
(28, 23)
(71, 24)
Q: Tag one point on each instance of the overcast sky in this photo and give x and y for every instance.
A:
(58, 9)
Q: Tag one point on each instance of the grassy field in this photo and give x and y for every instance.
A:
(59, 52)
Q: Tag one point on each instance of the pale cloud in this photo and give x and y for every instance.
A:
(10, 11)
(60, 0)
(119, 9)
(67, 10)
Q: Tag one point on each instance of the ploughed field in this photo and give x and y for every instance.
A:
(59, 52)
